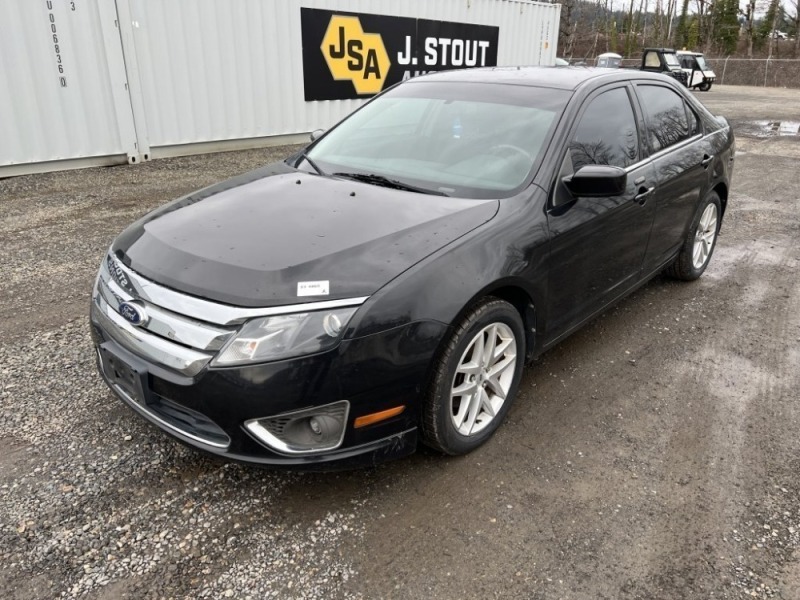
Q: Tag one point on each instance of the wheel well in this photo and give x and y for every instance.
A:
(520, 300)
(722, 191)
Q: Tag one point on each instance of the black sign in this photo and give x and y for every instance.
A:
(353, 55)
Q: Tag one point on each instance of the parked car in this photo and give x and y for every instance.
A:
(779, 35)
(698, 73)
(387, 284)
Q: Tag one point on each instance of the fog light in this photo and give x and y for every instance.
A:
(304, 431)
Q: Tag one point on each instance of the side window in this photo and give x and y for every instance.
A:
(694, 121)
(651, 60)
(606, 134)
(665, 114)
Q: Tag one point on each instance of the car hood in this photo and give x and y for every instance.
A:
(270, 237)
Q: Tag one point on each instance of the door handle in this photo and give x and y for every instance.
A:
(706, 160)
(644, 192)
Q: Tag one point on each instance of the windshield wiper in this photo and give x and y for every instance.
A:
(383, 181)
(304, 156)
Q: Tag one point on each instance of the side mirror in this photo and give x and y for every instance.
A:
(597, 181)
(315, 135)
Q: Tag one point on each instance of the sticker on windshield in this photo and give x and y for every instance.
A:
(313, 288)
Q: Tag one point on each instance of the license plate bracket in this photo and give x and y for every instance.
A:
(125, 374)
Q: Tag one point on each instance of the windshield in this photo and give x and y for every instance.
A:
(701, 63)
(471, 140)
(671, 59)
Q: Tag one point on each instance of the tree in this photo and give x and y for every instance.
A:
(796, 25)
(566, 30)
(749, 14)
(627, 27)
(682, 34)
(768, 22)
(658, 26)
(693, 36)
(613, 40)
(725, 25)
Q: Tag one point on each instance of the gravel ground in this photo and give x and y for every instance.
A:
(654, 454)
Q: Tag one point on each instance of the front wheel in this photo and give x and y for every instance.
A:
(475, 379)
(700, 241)
(705, 86)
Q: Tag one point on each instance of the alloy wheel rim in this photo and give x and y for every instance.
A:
(704, 236)
(483, 379)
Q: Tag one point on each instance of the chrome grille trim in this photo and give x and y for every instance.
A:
(165, 323)
(173, 356)
(185, 331)
(180, 332)
(213, 312)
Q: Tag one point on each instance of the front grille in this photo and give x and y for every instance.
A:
(172, 329)
(117, 285)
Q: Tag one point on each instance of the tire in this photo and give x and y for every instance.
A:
(704, 87)
(700, 242)
(457, 423)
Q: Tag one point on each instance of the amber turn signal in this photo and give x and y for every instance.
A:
(378, 416)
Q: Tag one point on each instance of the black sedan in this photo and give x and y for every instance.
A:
(386, 285)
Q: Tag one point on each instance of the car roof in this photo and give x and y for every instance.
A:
(689, 52)
(563, 78)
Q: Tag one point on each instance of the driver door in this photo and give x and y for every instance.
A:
(597, 245)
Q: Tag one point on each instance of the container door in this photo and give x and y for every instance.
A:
(63, 90)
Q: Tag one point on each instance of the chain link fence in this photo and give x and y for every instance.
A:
(769, 72)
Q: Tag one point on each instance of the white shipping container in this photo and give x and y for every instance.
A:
(148, 78)
(62, 86)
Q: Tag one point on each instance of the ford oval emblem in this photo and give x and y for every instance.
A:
(133, 312)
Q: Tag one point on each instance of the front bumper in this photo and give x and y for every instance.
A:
(208, 409)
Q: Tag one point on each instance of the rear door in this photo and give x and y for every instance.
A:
(597, 244)
(681, 158)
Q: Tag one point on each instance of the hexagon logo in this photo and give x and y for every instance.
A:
(355, 55)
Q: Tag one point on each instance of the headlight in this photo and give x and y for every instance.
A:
(285, 336)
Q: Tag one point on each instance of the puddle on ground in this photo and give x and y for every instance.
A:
(765, 129)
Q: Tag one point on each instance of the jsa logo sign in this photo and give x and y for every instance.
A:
(356, 55)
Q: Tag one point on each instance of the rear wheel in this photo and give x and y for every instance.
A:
(475, 379)
(705, 86)
(700, 241)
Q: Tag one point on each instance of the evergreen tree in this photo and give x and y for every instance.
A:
(725, 15)
(613, 37)
(693, 36)
(765, 29)
(682, 33)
